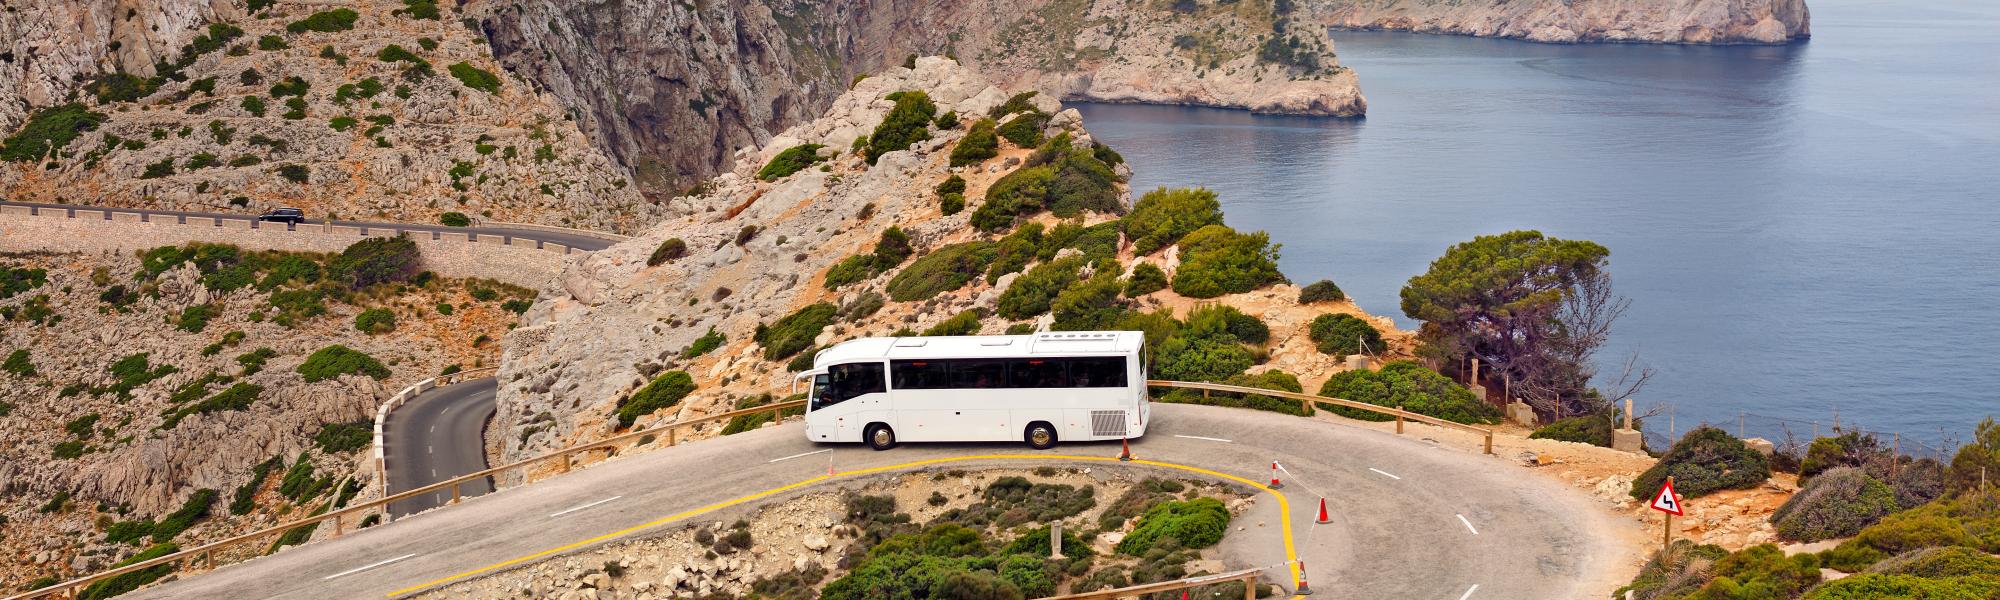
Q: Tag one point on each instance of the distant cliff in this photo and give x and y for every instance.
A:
(671, 89)
(1570, 21)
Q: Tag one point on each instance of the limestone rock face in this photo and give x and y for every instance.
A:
(1572, 21)
(56, 46)
(671, 88)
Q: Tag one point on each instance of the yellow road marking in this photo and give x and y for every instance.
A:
(1284, 509)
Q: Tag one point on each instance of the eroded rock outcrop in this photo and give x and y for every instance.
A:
(1644, 21)
(671, 88)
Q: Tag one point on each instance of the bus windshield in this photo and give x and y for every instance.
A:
(818, 391)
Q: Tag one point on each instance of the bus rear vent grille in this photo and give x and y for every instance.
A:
(1106, 423)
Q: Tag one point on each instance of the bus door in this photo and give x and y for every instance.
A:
(853, 395)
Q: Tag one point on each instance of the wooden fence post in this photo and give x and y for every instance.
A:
(1399, 419)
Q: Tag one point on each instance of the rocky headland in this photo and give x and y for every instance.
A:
(1634, 21)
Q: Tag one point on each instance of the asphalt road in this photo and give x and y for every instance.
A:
(572, 240)
(436, 437)
(1411, 519)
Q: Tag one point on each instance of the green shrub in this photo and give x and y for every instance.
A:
(195, 318)
(1163, 216)
(235, 397)
(69, 449)
(419, 9)
(245, 498)
(669, 249)
(375, 321)
(1586, 429)
(1145, 279)
(454, 219)
(1206, 348)
(1705, 461)
(127, 532)
(394, 53)
(1946, 561)
(708, 342)
(1971, 519)
(980, 143)
(794, 332)
(951, 185)
(1849, 449)
(1321, 291)
(133, 580)
(892, 248)
(271, 43)
(163, 168)
(1412, 386)
(1341, 334)
(1271, 380)
(335, 438)
(906, 124)
(1871, 586)
(964, 323)
(1216, 260)
(1839, 503)
(1025, 130)
(943, 270)
(18, 364)
(83, 427)
(48, 130)
(1197, 523)
(475, 77)
(192, 510)
(664, 391)
(1014, 252)
(791, 160)
(14, 281)
(950, 204)
(1091, 304)
(1058, 178)
(1034, 291)
(852, 269)
(376, 260)
(1976, 461)
(1021, 102)
(339, 19)
(336, 360)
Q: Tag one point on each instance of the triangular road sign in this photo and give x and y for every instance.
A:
(1667, 501)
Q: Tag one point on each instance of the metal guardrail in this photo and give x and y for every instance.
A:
(602, 235)
(206, 552)
(1247, 576)
(1306, 401)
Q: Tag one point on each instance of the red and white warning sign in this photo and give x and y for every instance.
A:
(1667, 501)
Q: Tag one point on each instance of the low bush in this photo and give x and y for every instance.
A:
(791, 160)
(1411, 386)
(905, 124)
(192, 511)
(1059, 178)
(1946, 561)
(1321, 291)
(375, 321)
(1871, 586)
(245, 498)
(794, 332)
(1838, 503)
(708, 342)
(1848, 449)
(133, 580)
(1705, 461)
(18, 363)
(1090, 304)
(48, 130)
(17, 280)
(235, 397)
(1586, 429)
(943, 270)
(1970, 519)
(475, 77)
(1673, 575)
(1271, 380)
(1216, 260)
(964, 323)
(1021, 102)
(1341, 334)
(336, 360)
(666, 389)
(669, 249)
(329, 21)
(454, 219)
(376, 260)
(1013, 252)
(335, 438)
(1197, 523)
(1976, 461)
(950, 204)
(1163, 216)
(1145, 279)
(980, 143)
(1034, 291)
(1024, 130)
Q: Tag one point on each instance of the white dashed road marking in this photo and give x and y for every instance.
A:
(1384, 473)
(1196, 437)
(571, 510)
(799, 455)
(1469, 591)
(360, 569)
(1468, 525)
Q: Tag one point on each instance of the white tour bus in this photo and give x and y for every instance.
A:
(1039, 388)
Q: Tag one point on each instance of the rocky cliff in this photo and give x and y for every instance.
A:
(358, 110)
(672, 88)
(1571, 21)
(752, 254)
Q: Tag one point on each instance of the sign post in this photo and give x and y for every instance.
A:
(1670, 503)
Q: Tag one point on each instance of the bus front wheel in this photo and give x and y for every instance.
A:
(880, 437)
(1041, 436)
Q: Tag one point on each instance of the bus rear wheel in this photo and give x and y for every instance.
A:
(880, 437)
(1041, 436)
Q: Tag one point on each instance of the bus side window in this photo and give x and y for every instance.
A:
(1038, 373)
(852, 380)
(1097, 372)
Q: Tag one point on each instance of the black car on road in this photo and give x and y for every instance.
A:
(284, 215)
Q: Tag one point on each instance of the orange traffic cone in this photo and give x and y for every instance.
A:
(1303, 589)
(1125, 449)
(1275, 484)
(1323, 518)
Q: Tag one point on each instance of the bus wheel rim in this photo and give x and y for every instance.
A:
(882, 437)
(1040, 435)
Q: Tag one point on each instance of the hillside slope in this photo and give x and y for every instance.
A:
(1571, 21)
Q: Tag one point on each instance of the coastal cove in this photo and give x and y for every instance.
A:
(1796, 225)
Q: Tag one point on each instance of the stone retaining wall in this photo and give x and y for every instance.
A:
(519, 261)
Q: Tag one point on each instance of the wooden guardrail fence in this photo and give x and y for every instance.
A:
(1247, 576)
(1307, 401)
